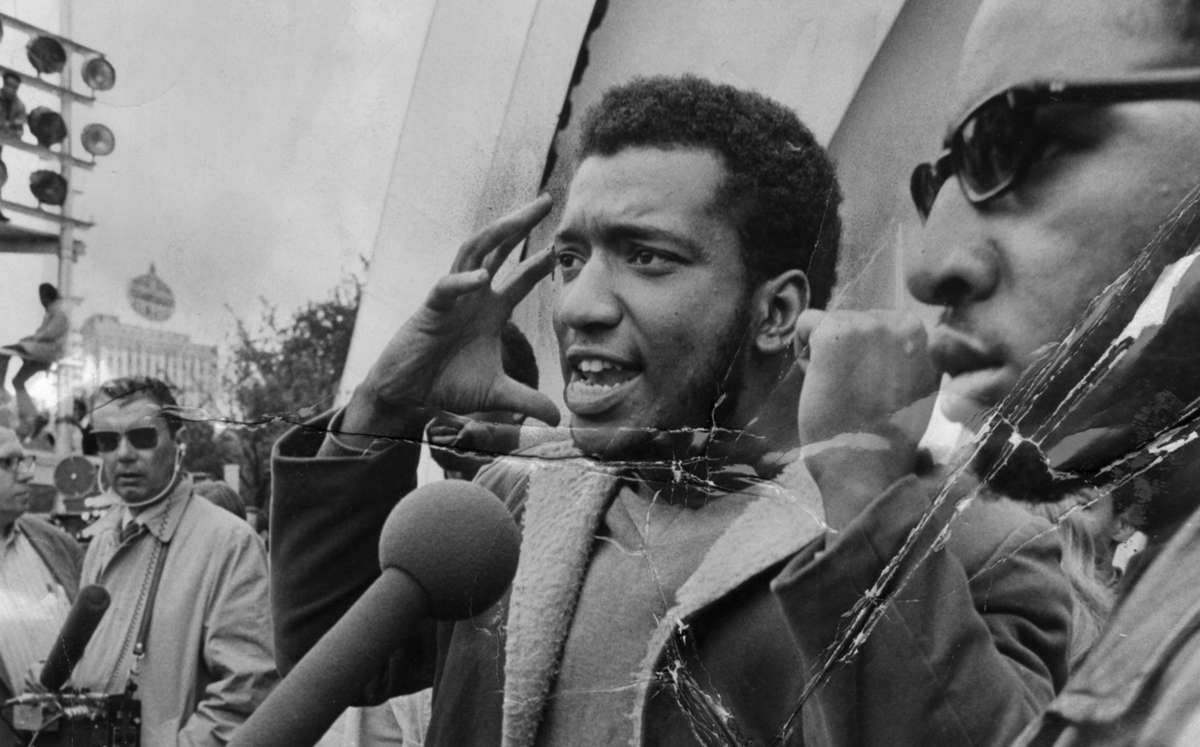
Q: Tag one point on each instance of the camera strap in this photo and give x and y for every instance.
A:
(139, 646)
(144, 605)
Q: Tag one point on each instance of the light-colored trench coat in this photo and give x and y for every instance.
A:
(210, 659)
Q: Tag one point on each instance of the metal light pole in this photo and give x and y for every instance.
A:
(66, 244)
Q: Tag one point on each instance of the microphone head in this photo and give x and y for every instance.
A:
(457, 541)
(90, 605)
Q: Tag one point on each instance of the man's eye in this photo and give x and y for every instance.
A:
(643, 257)
(568, 262)
(653, 261)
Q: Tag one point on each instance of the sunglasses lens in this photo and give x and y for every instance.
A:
(924, 186)
(142, 438)
(989, 149)
(139, 438)
(106, 440)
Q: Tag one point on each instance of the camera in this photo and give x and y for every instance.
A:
(76, 718)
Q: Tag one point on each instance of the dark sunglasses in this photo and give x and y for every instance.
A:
(145, 437)
(991, 148)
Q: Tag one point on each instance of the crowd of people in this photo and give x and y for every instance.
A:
(739, 536)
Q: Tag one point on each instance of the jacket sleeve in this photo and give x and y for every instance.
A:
(238, 653)
(973, 645)
(60, 551)
(327, 513)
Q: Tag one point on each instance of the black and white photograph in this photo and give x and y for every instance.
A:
(542, 373)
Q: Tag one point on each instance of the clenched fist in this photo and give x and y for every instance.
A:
(867, 395)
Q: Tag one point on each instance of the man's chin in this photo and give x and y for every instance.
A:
(638, 443)
(616, 442)
(139, 495)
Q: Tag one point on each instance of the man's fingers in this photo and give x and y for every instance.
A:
(496, 258)
(450, 288)
(516, 397)
(528, 274)
(808, 321)
(518, 223)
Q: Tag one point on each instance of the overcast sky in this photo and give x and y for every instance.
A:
(254, 143)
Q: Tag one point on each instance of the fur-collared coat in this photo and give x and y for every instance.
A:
(728, 662)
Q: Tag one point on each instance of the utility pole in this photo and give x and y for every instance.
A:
(66, 244)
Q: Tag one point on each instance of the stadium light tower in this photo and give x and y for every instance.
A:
(58, 56)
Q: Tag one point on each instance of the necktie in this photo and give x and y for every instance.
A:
(129, 531)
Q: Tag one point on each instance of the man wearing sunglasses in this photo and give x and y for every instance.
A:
(189, 622)
(39, 574)
(1075, 138)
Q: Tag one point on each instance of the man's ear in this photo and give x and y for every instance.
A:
(778, 303)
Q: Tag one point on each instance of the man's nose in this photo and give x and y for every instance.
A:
(956, 260)
(125, 450)
(588, 301)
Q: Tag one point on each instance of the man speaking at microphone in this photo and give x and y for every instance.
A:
(189, 623)
(701, 221)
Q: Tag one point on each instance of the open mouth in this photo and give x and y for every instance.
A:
(596, 384)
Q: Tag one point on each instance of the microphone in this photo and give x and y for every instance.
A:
(448, 551)
(77, 630)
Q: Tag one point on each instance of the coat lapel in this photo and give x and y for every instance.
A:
(565, 502)
(566, 499)
(785, 517)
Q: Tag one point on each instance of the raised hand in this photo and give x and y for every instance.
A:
(868, 392)
(865, 370)
(447, 355)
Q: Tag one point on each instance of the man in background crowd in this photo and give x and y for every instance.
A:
(222, 494)
(189, 622)
(39, 576)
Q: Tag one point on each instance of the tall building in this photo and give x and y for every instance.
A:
(107, 348)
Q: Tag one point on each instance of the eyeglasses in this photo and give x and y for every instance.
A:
(145, 437)
(18, 464)
(994, 144)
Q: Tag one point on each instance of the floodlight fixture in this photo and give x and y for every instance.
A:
(48, 187)
(98, 139)
(47, 126)
(99, 74)
(46, 54)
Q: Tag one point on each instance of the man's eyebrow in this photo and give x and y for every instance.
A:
(616, 232)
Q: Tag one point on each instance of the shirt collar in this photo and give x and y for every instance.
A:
(153, 517)
(8, 537)
(163, 517)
